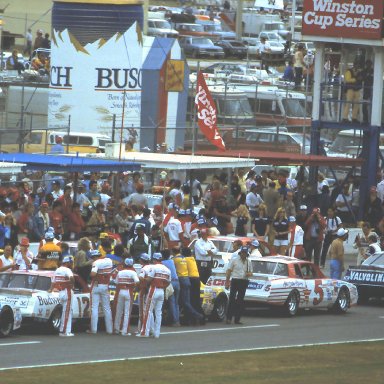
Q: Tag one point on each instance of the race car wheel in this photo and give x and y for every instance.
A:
(219, 309)
(6, 322)
(291, 305)
(343, 301)
(55, 320)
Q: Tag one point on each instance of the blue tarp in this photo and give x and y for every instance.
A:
(37, 162)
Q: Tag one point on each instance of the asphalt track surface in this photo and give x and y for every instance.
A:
(262, 329)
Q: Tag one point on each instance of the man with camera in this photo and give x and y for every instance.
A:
(314, 235)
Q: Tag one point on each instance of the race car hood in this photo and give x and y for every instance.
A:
(365, 274)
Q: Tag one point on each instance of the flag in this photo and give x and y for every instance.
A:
(206, 113)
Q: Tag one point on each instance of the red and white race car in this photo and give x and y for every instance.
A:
(28, 291)
(285, 282)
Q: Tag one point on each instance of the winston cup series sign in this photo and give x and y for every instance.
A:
(361, 19)
(89, 84)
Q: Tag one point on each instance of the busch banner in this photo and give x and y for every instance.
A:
(206, 113)
(361, 19)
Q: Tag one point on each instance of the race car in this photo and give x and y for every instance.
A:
(368, 277)
(28, 291)
(282, 282)
(10, 318)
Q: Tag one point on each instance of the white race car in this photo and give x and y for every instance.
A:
(28, 291)
(10, 318)
(285, 282)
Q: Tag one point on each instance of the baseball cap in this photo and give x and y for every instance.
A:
(201, 221)
(140, 226)
(244, 249)
(103, 235)
(303, 207)
(128, 262)
(157, 256)
(255, 243)
(144, 257)
(342, 232)
(49, 236)
(291, 219)
(67, 259)
(94, 253)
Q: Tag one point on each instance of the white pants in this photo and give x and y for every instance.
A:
(65, 297)
(152, 313)
(123, 310)
(141, 302)
(100, 294)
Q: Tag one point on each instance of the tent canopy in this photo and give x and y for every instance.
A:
(62, 163)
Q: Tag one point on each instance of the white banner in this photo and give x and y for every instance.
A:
(88, 83)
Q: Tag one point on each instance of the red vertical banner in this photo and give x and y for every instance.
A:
(207, 114)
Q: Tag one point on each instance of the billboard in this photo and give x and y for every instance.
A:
(359, 19)
(92, 83)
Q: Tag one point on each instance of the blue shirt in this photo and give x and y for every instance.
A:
(171, 266)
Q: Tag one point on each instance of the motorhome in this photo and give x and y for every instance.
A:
(41, 141)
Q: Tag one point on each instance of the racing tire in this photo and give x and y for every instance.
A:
(291, 305)
(6, 322)
(343, 301)
(219, 309)
(54, 321)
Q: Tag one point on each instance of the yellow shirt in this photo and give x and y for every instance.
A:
(181, 266)
(192, 267)
(51, 255)
(336, 251)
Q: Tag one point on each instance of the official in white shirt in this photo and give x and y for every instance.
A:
(204, 251)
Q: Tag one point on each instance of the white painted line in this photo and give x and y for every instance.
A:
(221, 329)
(190, 354)
(19, 343)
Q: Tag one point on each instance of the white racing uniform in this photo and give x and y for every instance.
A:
(62, 282)
(161, 277)
(125, 283)
(142, 294)
(100, 293)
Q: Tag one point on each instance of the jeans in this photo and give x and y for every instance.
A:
(173, 303)
(336, 271)
(185, 299)
(313, 245)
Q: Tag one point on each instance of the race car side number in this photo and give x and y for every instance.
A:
(318, 291)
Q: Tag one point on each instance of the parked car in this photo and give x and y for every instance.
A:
(161, 27)
(285, 283)
(251, 44)
(233, 48)
(271, 36)
(189, 29)
(368, 277)
(277, 27)
(200, 47)
(276, 46)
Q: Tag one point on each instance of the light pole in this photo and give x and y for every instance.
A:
(308, 61)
